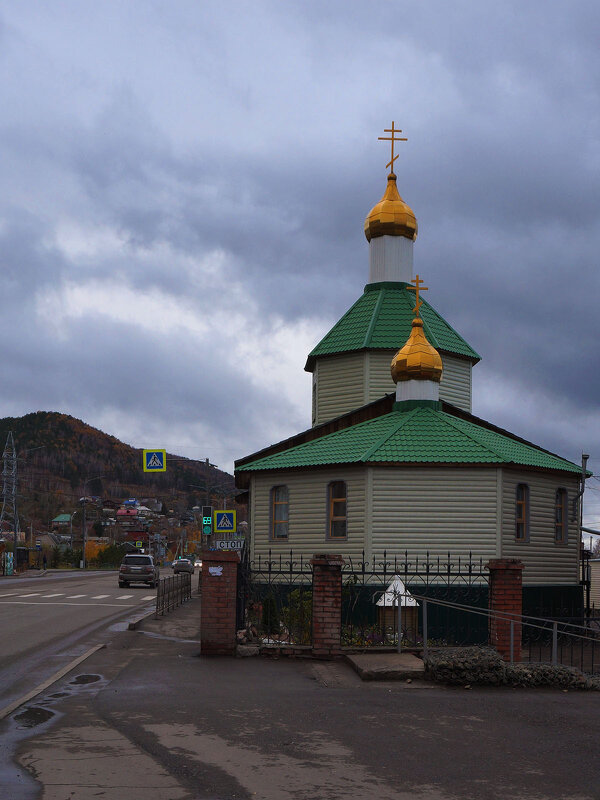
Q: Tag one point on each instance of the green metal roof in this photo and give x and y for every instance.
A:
(381, 319)
(419, 435)
(62, 518)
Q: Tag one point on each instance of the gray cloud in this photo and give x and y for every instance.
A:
(214, 166)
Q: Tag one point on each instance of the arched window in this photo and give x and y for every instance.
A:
(279, 513)
(560, 516)
(522, 513)
(336, 515)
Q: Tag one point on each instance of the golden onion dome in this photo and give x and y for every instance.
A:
(391, 216)
(417, 360)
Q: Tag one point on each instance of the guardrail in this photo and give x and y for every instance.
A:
(540, 641)
(172, 592)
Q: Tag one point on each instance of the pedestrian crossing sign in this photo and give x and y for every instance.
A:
(155, 461)
(224, 522)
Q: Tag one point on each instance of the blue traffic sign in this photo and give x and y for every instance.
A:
(155, 461)
(224, 521)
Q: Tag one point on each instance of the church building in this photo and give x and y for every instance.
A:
(395, 461)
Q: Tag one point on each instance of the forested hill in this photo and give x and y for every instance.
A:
(57, 453)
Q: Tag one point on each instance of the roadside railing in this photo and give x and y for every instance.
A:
(539, 640)
(172, 592)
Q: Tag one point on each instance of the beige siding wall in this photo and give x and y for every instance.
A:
(380, 379)
(544, 561)
(340, 385)
(308, 511)
(439, 510)
(595, 586)
(348, 381)
(455, 386)
(436, 509)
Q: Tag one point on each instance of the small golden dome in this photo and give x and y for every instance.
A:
(391, 216)
(417, 360)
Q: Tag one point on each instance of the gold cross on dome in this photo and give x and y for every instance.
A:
(392, 139)
(416, 289)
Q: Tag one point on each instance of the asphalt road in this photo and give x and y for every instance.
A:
(47, 621)
(148, 718)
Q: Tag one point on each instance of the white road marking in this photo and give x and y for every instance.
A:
(60, 594)
(12, 594)
(148, 597)
(99, 596)
(74, 596)
(124, 597)
(33, 594)
(35, 603)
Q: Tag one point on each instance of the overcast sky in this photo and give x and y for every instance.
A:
(184, 186)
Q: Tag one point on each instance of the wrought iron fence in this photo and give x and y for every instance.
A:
(172, 592)
(371, 592)
(275, 599)
(443, 601)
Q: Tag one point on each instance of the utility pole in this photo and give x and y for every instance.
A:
(9, 492)
(84, 529)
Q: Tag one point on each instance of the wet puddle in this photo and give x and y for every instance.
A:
(81, 679)
(17, 783)
(32, 716)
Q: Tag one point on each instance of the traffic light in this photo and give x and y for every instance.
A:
(207, 520)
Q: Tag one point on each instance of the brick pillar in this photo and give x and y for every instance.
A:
(506, 596)
(218, 606)
(326, 604)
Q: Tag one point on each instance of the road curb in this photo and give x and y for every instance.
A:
(4, 712)
(137, 621)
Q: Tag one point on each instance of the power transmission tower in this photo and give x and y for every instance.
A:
(9, 512)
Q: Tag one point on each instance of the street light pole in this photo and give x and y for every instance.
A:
(83, 532)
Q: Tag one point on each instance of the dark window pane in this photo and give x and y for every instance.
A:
(339, 508)
(338, 529)
(280, 494)
(338, 489)
(281, 530)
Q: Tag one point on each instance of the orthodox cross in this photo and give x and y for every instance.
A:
(392, 139)
(416, 288)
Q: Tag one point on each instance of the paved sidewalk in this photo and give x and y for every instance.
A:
(184, 624)
(149, 717)
(181, 624)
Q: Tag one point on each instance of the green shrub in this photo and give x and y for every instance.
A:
(270, 622)
(296, 616)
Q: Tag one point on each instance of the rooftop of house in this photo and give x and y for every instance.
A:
(414, 432)
(381, 319)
